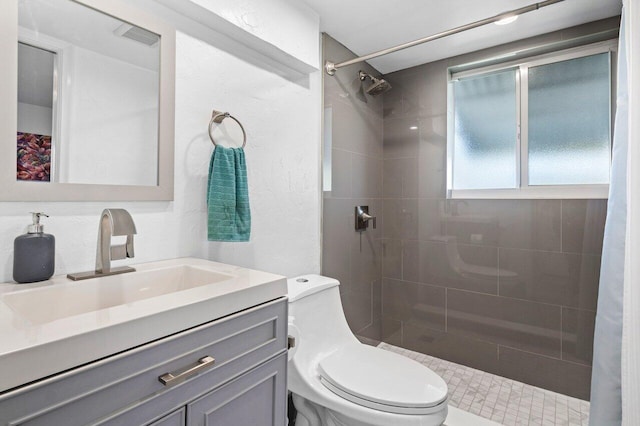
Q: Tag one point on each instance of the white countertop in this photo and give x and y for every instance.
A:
(30, 351)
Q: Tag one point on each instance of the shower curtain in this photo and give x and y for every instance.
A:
(615, 387)
(631, 308)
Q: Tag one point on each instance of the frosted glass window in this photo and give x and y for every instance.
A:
(485, 131)
(569, 122)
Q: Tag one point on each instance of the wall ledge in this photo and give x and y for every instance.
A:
(209, 18)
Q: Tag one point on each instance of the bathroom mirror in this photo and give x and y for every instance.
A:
(87, 102)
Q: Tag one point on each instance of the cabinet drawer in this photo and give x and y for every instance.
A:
(177, 418)
(103, 390)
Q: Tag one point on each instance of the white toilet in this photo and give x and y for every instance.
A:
(337, 381)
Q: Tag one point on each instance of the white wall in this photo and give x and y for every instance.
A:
(282, 118)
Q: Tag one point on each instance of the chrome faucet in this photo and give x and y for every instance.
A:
(113, 223)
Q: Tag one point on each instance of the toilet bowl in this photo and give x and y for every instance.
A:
(337, 381)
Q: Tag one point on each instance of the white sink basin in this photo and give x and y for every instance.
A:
(46, 304)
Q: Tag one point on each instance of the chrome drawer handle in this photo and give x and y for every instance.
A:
(170, 379)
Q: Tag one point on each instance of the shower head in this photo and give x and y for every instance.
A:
(378, 85)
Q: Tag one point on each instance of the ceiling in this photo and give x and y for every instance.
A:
(372, 25)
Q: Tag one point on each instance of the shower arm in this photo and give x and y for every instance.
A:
(331, 67)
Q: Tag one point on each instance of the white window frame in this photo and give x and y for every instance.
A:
(523, 189)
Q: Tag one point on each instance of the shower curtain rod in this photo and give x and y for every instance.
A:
(331, 67)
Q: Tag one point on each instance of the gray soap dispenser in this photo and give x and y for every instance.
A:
(34, 253)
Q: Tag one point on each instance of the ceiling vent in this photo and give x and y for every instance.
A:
(137, 34)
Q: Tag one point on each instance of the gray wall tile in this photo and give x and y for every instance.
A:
(357, 309)
(531, 326)
(549, 373)
(590, 28)
(432, 157)
(530, 224)
(411, 255)
(431, 218)
(400, 218)
(414, 303)
(400, 141)
(352, 257)
(583, 225)
(392, 258)
(336, 240)
(460, 349)
(445, 263)
(424, 89)
(366, 261)
(366, 175)
(356, 129)
(560, 278)
(577, 335)
(372, 333)
(341, 185)
(392, 103)
(400, 178)
(391, 330)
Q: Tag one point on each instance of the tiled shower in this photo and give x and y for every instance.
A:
(505, 286)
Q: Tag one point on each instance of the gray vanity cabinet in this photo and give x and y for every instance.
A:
(177, 418)
(242, 383)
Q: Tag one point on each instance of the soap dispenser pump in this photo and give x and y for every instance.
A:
(34, 253)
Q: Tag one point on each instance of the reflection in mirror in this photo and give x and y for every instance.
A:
(35, 112)
(88, 96)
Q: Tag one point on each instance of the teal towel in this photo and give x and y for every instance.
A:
(228, 196)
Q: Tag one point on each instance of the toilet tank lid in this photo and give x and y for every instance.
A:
(306, 285)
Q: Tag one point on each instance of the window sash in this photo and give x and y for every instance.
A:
(523, 189)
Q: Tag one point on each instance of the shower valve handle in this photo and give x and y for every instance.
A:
(363, 217)
(367, 218)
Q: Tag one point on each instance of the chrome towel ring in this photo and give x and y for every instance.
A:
(217, 117)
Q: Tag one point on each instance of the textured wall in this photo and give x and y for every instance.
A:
(282, 118)
(356, 155)
(506, 286)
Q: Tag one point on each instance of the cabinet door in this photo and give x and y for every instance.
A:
(177, 418)
(257, 398)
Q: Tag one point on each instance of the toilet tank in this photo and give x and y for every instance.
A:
(307, 285)
(315, 310)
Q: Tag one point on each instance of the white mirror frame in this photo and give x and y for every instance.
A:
(13, 190)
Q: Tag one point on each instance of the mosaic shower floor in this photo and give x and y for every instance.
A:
(500, 399)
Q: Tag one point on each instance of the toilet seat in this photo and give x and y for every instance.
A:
(382, 380)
